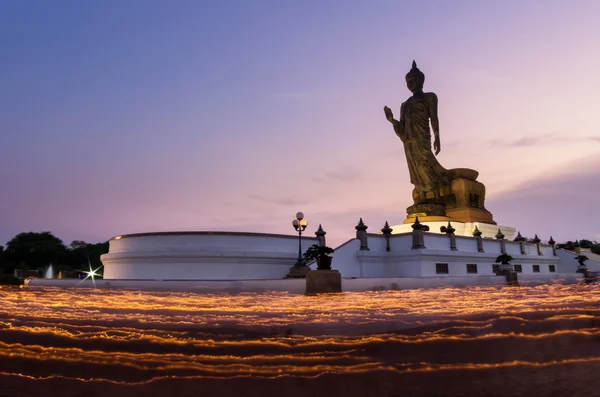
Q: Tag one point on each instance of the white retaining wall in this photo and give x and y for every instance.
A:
(568, 263)
(403, 261)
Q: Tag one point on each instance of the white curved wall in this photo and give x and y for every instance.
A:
(202, 256)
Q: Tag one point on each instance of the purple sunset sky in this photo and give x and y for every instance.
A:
(134, 116)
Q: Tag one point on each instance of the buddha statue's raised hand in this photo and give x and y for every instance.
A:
(388, 114)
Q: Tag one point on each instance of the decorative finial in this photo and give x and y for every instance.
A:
(450, 229)
(476, 232)
(414, 65)
(320, 231)
(386, 228)
(361, 227)
(519, 237)
(536, 239)
(417, 225)
(447, 229)
(551, 241)
(500, 235)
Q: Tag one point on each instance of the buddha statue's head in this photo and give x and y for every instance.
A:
(415, 79)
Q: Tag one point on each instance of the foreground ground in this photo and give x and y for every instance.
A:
(522, 341)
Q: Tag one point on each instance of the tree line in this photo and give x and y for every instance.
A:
(593, 246)
(35, 251)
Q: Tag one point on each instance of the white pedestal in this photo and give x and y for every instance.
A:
(462, 229)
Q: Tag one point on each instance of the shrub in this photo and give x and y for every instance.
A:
(504, 259)
(315, 251)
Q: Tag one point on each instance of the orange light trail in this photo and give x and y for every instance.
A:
(131, 337)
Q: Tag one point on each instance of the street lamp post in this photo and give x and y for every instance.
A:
(300, 225)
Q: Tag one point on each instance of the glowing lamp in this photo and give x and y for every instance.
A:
(300, 225)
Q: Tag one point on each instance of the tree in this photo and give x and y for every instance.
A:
(95, 251)
(81, 254)
(586, 243)
(3, 265)
(593, 246)
(504, 259)
(34, 250)
(569, 246)
(581, 259)
(75, 244)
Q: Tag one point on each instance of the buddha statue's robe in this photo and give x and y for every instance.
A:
(426, 173)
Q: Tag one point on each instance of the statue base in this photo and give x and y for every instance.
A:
(323, 281)
(426, 209)
(470, 215)
(510, 275)
(461, 201)
(424, 218)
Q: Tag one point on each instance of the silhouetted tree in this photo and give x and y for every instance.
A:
(77, 244)
(3, 265)
(34, 250)
(569, 246)
(581, 259)
(504, 259)
(589, 244)
(82, 253)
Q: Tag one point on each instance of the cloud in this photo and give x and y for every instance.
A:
(526, 141)
(348, 173)
(563, 205)
(284, 201)
(595, 138)
(544, 139)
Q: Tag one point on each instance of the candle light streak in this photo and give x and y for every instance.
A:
(129, 338)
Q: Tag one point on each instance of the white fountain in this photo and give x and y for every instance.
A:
(49, 272)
